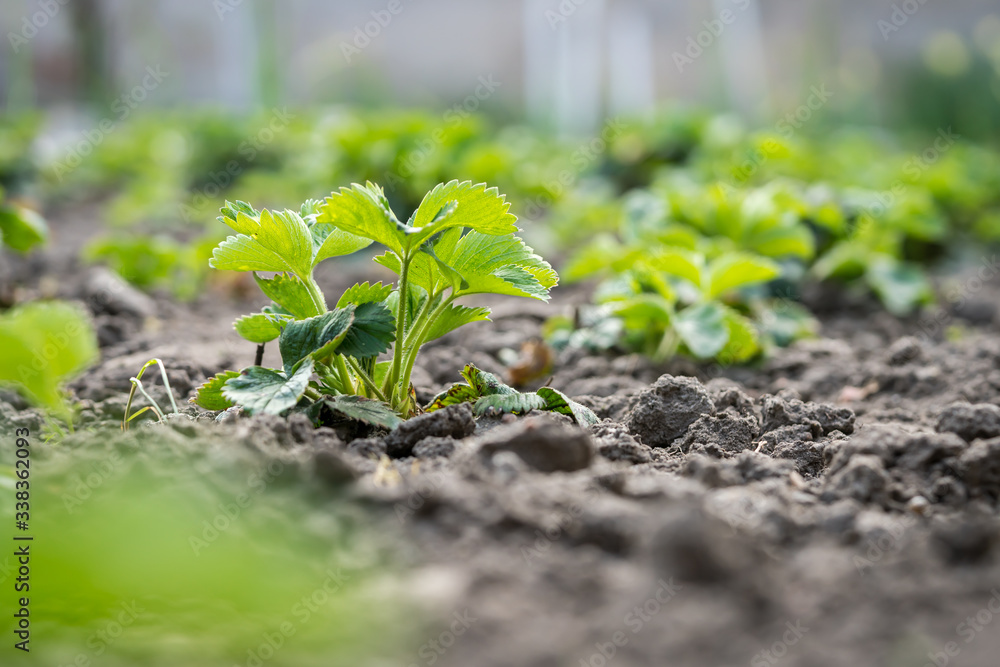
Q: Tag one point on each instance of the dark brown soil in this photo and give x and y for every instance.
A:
(834, 505)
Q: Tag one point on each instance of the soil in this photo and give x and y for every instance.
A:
(836, 504)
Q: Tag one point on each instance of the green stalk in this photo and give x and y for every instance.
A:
(404, 301)
(345, 375)
(419, 321)
(315, 294)
(417, 338)
(366, 380)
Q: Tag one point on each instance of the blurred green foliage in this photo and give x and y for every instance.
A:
(44, 344)
(858, 205)
(155, 549)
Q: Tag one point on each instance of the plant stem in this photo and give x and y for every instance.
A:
(417, 338)
(315, 294)
(420, 319)
(404, 303)
(366, 380)
(345, 375)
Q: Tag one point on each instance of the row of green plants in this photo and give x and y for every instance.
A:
(699, 235)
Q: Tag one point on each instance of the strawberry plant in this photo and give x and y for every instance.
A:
(675, 300)
(44, 345)
(459, 242)
(21, 229)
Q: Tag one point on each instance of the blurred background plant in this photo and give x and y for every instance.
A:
(847, 143)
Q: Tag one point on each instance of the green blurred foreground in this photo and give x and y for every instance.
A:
(154, 549)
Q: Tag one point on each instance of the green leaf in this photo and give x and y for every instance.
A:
(844, 260)
(230, 211)
(242, 253)
(363, 211)
(258, 328)
(500, 265)
(370, 333)
(454, 317)
(365, 293)
(743, 342)
(641, 310)
(427, 270)
(796, 241)
(369, 411)
(901, 286)
(556, 401)
(289, 293)
(43, 345)
(209, 395)
(310, 210)
(262, 390)
(594, 258)
(316, 336)
(453, 395)
(473, 206)
(485, 384)
(21, 229)
(703, 329)
(735, 270)
(681, 263)
(332, 242)
(277, 241)
(516, 403)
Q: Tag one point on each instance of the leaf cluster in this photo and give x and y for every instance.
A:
(356, 359)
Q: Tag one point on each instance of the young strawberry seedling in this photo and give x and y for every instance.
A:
(459, 242)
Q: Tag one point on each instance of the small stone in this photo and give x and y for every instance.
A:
(105, 291)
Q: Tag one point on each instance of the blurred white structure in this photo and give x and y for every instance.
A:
(569, 63)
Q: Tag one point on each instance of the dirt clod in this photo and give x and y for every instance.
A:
(454, 421)
(971, 421)
(543, 443)
(663, 412)
(821, 418)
